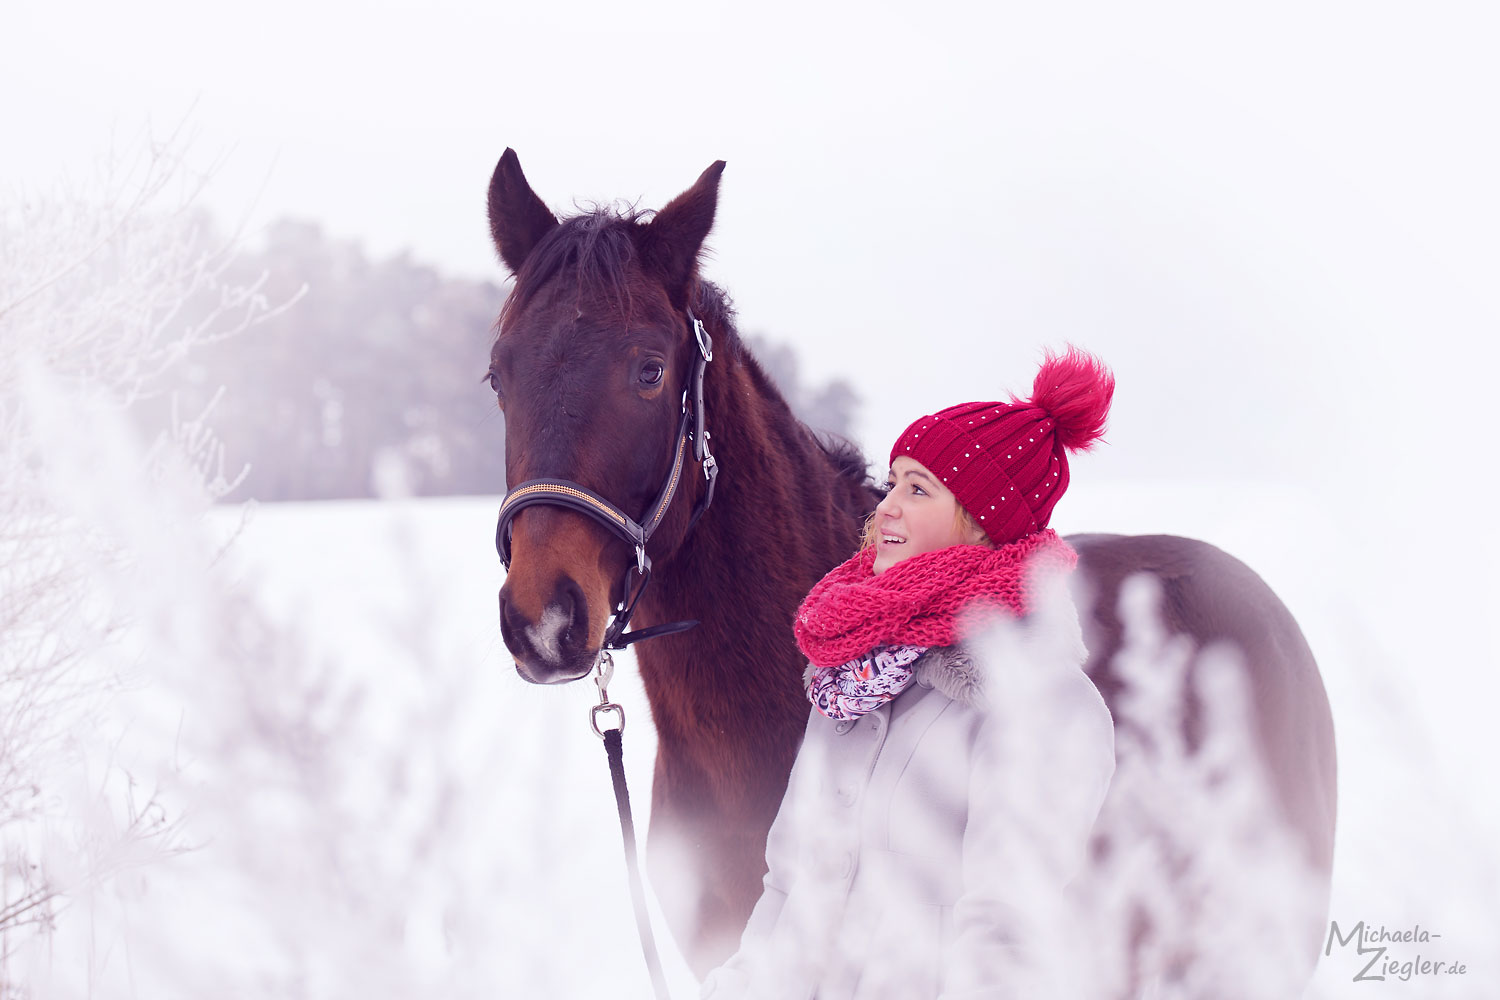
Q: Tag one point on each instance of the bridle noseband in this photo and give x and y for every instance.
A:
(576, 497)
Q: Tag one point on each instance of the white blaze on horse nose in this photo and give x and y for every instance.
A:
(546, 634)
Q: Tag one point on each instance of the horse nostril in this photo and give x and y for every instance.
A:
(511, 629)
(572, 608)
(568, 597)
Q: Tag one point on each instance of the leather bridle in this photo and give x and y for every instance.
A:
(576, 497)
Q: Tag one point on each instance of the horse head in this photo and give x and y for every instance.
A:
(594, 353)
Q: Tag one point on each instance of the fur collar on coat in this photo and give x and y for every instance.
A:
(953, 671)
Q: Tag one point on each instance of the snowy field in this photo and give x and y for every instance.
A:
(376, 804)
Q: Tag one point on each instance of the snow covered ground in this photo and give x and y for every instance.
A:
(379, 806)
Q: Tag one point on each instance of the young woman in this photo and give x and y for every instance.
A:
(956, 756)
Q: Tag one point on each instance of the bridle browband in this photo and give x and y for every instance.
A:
(576, 497)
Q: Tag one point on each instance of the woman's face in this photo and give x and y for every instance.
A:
(919, 514)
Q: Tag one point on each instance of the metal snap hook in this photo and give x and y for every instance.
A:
(604, 672)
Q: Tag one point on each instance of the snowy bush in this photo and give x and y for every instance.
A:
(1202, 891)
(95, 284)
(91, 285)
(1191, 888)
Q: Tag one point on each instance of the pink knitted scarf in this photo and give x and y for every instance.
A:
(932, 599)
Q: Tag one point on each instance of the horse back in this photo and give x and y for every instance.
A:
(1213, 598)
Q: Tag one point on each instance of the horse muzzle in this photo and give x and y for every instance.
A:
(556, 646)
(554, 605)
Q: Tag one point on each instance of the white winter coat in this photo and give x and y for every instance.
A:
(920, 850)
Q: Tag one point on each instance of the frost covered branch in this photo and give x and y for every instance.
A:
(104, 287)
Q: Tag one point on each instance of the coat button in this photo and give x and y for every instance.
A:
(848, 794)
(845, 726)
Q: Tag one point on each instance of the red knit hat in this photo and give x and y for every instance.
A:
(1007, 463)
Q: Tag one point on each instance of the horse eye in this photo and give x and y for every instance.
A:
(494, 381)
(652, 372)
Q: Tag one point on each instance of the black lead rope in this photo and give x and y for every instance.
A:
(614, 748)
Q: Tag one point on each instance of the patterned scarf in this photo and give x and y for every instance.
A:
(863, 685)
(859, 630)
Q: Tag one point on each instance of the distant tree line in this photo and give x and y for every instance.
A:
(369, 381)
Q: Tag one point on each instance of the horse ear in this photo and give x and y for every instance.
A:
(672, 240)
(518, 218)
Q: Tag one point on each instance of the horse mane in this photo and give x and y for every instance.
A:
(713, 306)
(846, 457)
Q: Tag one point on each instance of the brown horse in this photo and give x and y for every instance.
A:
(595, 352)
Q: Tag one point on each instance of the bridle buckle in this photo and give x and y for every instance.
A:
(705, 343)
(710, 464)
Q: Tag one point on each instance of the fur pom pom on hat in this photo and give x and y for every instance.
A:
(1007, 463)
